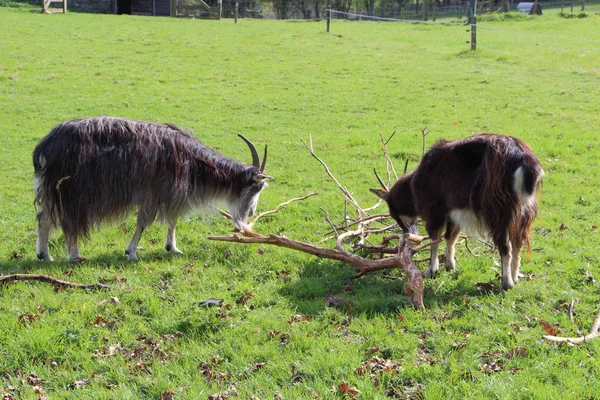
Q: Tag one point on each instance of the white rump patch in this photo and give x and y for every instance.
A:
(468, 222)
(526, 199)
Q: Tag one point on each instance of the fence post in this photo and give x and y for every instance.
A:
(237, 5)
(474, 33)
(328, 17)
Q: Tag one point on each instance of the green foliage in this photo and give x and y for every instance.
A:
(290, 324)
(580, 15)
(498, 17)
(21, 4)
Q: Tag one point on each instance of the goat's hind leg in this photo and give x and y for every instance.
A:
(516, 261)
(73, 254)
(43, 236)
(171, 242)
(145, 217)
(505, 249)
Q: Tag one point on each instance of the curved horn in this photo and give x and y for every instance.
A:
(264, 162)
(255, 159)
(383, 185)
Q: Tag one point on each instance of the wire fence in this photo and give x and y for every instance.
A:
(411, 11)
(554, 42)
(450, 14)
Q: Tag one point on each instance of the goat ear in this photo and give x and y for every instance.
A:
(381, 193)
(262, 177)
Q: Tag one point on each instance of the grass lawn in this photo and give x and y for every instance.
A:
(275, 336)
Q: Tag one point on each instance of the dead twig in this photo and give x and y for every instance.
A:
(576, 340)
(49, 279)
(279, 207)
(347, 195)
(413, 289)
(424, 133)
(264, 214)
(329, 221)
(389, 166)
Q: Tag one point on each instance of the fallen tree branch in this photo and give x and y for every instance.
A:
(279, 207)
(49, 279)
(576, 340)
(413, 289)
(347, 195)
(265, 213)
(389, 165)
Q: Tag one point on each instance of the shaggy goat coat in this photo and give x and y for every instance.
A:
(485, 183)
(91, 170)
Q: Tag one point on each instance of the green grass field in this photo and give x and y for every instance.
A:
(275, 337)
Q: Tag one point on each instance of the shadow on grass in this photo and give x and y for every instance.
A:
(322, 284)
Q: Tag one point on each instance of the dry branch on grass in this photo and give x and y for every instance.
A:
(413, 290)
(576, 340)
(356, 229)
(49, 279)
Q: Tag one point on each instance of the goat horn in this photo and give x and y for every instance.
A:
(255, 159)
(405, 166)
(383, 185)
(264, 163)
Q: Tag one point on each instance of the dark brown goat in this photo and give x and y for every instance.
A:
(96, 169)
(485, 184)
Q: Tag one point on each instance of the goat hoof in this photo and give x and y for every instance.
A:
(44, 257)
(429, 274)
(507, 285)
(174, 250)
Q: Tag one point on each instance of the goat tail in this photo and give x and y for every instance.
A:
(527, 180)
(45, 199)
(512, 176)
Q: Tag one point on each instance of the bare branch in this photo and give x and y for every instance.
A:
(365, 220)
(413, 289)
(49, 279)
(264, 214)
(592, 335)
(424, 133)
(279, 207)
(329, 221)
(389, 165)
(347, 195)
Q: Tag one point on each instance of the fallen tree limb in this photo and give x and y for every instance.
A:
(265, 213)
(576, 340)
(49, 279)
(413, 290)
(399, 256)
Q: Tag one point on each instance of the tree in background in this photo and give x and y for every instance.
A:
(282, 8)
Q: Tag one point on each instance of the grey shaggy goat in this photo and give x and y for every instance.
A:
(92, 170)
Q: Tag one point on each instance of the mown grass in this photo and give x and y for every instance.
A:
(277, 82)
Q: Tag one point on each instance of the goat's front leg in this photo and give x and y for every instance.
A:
(451, 236)
(434, 264)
